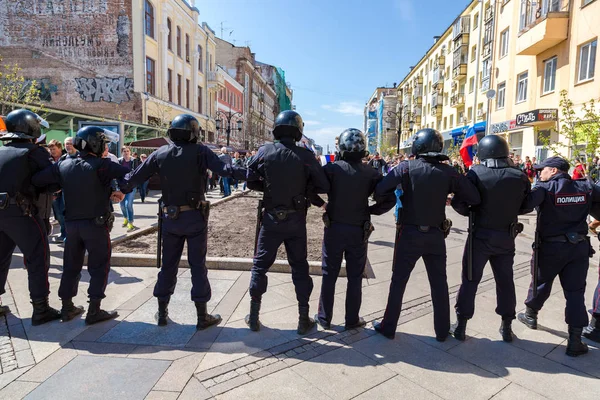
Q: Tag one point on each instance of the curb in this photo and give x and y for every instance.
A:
(152, 228)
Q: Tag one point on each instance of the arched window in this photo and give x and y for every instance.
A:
(169, 37)
(149, 19)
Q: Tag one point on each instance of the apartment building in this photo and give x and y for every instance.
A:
(526, 51)
(230, 113)
(381, 120)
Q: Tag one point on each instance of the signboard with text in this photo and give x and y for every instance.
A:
(537, 116)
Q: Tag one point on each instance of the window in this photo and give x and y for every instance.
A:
(470, 114)
(169, 36)
(473, 53)
(586, 2)
(500, 100)
(187, 93)
(550, 75)
(178, 89)
(471, 84)
(200, 99)
(200, 58)
(170, 84)
(149, 19)
(475, 21)
(445, 123)
(451, 120)
(187, 48)
(587, 61)
(522, 87)
(150, 74)
(504, 36)
(179, 41)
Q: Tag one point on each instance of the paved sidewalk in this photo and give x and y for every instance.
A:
(132, 358)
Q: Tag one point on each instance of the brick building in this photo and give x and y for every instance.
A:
(230, 110)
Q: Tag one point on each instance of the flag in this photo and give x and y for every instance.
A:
(327, 159)
(466, 149)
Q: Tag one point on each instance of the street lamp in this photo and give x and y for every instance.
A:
(226, 119)
(411, 126)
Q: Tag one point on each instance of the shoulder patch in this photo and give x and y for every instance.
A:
(570, 199)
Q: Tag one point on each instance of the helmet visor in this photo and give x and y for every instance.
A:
(42, 122)
(111, 136)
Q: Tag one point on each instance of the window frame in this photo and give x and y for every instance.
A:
(199, 96)
(501, 89)
(179, 77)
(187, 94)
(187, 48)
(519, 80)
(503, 42)
(554, 61)
(200, 58)
(169, 35)
(149, 19)
(178, 41)
(150, 76)
(170, 83)
(590, 73)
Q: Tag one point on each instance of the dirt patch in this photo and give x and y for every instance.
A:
(231, 231)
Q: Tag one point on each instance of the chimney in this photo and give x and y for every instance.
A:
(395, 85)
(436, 38)
(412, 67)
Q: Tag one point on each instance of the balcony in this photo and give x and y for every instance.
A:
(418, 95)
(461, 28)
(457, 100)
(437, 101)
(216, 80)
(543, 26)
(438, 78)
(459, 62)
(489, 14)
(406, 100)
(486, 51)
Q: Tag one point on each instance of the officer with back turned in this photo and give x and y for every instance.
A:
(502, 188)
(426, 183)
(20, 224)
(348, 225)
(182, 169)
(563, 205)
(86, 186)
(284, 171)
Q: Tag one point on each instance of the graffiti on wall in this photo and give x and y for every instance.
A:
(45, 86)
(52, 7)
(110, 90)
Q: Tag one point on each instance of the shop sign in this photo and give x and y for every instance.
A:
(536, 116)
(505, 126)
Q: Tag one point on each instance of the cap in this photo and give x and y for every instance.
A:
(553, 162)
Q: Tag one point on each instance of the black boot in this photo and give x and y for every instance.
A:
(42, 312)
(324, 324)
(529, 318)
(379, 328)
(575, 347)
(252, 319)
(506, 330)
(163, 312)
(459, 329)
(305, 323)
(358, 324)
(95, 314)
(69, 310)
(592, 332)
(205, 319)
(3, 309)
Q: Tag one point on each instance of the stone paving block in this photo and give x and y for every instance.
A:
(203, 340)
(441, 373)
(18, 338)
(545, 377)
(17, 390)
(295, 387)
(269, 369)
(50, 365)
(225, 377)
(102, 378)
(24, 358)
(160, 353)
(194, 391)
(211, 373)
(10, 376)
(516, 392)
(285, 347)
(95, 332)
(398, 387)
(590, 364)
(353, 375)
(138, 300)
(230, 384)
(103, 349)
(252, 358)
(158, 395)
(179, 373)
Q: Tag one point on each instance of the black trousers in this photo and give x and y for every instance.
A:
(411, 246)
(499, 249)
(292, 233)
(191, 227)
(570, 263)
(342, 240)
(29, 233)
(85, 235)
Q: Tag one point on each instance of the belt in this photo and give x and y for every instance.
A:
(181, 208)
(290, 211)
(563, 239)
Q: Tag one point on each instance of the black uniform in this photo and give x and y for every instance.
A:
(352, 183)
(503, 189)
(20, 225)
(426, 184)
(182, 168)
(284, 171)
(86, 187)
(563, 205)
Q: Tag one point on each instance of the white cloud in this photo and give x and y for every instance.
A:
(406, 8)
(324, 135)
(346, 108)
(311, 123)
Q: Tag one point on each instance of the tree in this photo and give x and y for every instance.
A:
(582, 134)
(453, 151)
(15, 90)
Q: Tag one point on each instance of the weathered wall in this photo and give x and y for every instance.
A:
(80, 49)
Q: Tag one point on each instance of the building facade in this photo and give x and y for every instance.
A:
(527, 52)
(230, 110)
(381, 120)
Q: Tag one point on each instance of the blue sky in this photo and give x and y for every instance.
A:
(335, 53)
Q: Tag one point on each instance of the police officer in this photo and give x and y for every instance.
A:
(182, 169)
(426, 183)
(284, 171)
(502, 188)
(563, 205)
(86, 186)
(20, 224)
(348, 225)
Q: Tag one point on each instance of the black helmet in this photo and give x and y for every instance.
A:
(288, 123)
(352, 141)
(492, 146)
(427, 142)
(23, 124)
(92, 139)
(184, 128)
